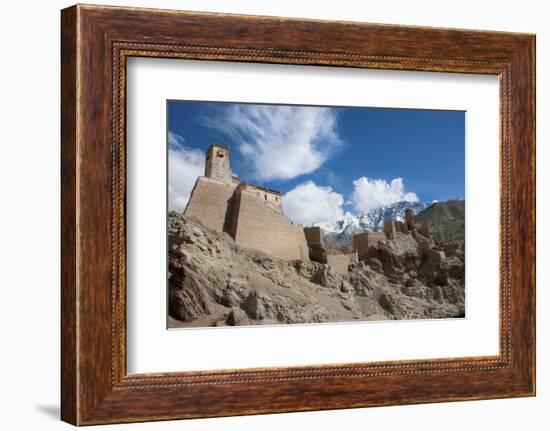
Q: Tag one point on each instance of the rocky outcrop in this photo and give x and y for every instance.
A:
(446, 222)
(215, 282)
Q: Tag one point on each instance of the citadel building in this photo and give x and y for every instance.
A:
(250, 214)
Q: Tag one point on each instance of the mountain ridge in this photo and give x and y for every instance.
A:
(446, 221)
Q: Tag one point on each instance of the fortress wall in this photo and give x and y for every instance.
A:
(362, 242)
(314, 234)
(261, 227)
(409, 219)
(270, 197)
(209, 202)
(340, 262)
(374, 237)
(361, 245)
(232, 216)
(401, 227)
(317, 252)
(314, 239)
(389, 229)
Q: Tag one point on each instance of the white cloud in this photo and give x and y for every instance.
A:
(175, 141)
(308, 203)
(184, 166)
(370, 193)
(280, 142)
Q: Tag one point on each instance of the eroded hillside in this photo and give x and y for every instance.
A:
(215, 282)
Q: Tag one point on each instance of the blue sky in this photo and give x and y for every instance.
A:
(337, 159)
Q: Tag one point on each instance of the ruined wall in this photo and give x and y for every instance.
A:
(317, 250)
(209, 202)
(374, 237)
(340, 262)
(402, 227)
(389, 229)
(257, 225)
(409, 219)
(362, 242)
(361, 245)
(314, 234)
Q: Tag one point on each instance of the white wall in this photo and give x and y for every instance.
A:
(29, 218)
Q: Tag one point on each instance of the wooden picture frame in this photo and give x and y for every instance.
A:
(95, 43)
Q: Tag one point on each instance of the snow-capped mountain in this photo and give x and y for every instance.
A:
(340, 233)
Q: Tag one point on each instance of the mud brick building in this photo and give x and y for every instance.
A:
(251, 214)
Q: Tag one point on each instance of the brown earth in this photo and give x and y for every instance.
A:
(215, 282)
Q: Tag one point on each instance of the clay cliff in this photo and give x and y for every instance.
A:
(215, 282)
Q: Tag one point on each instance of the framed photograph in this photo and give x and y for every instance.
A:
(335, 245)
(266, 215)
